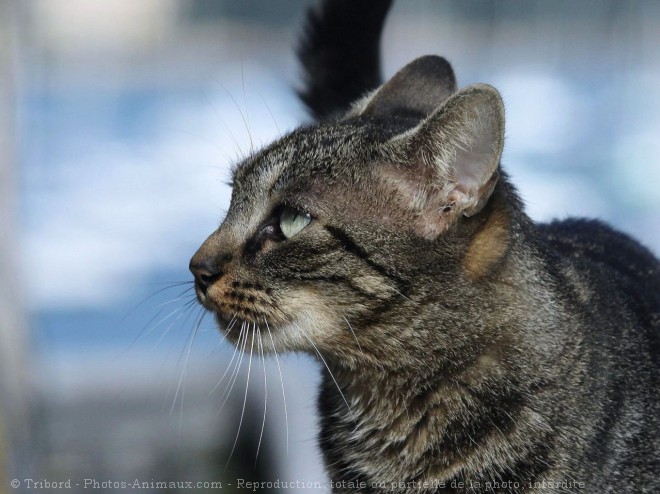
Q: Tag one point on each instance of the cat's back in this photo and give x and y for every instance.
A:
(593, 242)
(609, 273)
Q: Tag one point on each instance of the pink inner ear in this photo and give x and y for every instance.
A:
(449, 162)
(473, 167)
(473, 128)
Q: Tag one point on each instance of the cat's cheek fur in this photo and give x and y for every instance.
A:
(311, 323)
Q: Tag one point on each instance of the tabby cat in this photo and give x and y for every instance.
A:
(464, 347)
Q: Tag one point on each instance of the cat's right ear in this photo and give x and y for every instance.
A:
(415, 90)
(447, 166)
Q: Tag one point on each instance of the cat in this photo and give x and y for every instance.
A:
(464, 348)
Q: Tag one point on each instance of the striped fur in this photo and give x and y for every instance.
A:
(466, 348)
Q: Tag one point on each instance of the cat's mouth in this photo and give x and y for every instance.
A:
(239, 307)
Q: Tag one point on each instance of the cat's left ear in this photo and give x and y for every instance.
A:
(415, 90)
(448, 164)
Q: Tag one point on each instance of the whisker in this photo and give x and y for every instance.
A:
(408, 299)
(231, 324)
(184, 370)
(186, 350)
(169, 286)
(263, 423)
(247, 386)
(329, 371)
(201, 137)
(247, 115)
(227, 392)
(279, 370)
(270, 113)
(229, 364)
(188, 310)
(191, 302)
(150, 328)
(147, 329)
(245, 123)
(351, 328)
(182, 311)
(239, 150)
(172, 284)
(180, 296)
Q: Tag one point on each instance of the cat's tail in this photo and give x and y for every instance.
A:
(340, 54)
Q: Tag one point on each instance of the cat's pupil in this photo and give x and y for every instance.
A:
(293, 221)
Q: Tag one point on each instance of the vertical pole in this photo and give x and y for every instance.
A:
(13, 370)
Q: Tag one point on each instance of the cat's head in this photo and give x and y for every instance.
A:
(333, 229)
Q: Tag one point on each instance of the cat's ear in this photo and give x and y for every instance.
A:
(415, 90)
(448, 164)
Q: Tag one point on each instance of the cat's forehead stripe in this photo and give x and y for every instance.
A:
(267, 175)
(264, 169)
(312, 151)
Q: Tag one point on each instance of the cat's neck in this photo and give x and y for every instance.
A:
(433, 424)
(441, 420)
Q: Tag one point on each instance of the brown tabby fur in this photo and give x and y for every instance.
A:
(464, 347)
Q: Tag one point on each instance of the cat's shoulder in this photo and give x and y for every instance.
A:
(619, 270)
(594, 241)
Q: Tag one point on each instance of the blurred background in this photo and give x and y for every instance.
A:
(119, 120)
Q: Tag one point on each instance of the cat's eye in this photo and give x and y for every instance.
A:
(293, 221)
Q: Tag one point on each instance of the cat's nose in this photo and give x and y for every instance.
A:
(205, 273)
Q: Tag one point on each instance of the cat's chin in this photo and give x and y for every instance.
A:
(270, 336)
(233, 327)
(237, 330)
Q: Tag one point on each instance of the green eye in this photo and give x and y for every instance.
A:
(293, 221)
